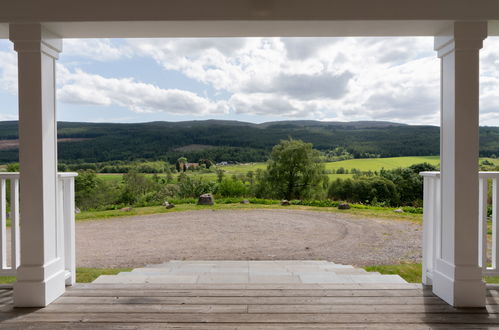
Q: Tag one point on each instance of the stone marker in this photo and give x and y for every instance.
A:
(245, 201)
(398, 211)
(343, 206)
(77, 210)
(206, 199)
(285, 202)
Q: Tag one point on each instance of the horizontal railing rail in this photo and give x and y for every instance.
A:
(10, 252)
(488, 230)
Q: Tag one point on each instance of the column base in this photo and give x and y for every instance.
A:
(32, 293)
(459, 293)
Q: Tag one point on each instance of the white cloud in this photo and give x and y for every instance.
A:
(314, 78)
(101, 50)
(343, 78)
(8, 71)
(7, 117)
(79, 87)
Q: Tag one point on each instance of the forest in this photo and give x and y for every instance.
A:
(235, 141)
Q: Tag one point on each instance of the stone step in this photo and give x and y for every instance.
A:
(248, 272)
(181, 271)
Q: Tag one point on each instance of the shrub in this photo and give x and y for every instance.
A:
(191, 186)
(232, 188)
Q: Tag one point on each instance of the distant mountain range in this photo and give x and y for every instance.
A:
(221, 140)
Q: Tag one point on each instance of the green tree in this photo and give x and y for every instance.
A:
(220, 174)
(180, 165)
(295, 170)
(137, 187)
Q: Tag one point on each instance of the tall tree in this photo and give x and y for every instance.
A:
(181, 164)
(294, 170)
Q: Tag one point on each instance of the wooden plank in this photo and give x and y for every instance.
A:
(366, 309)
(255, 286)
(260, 318)
(252, 300)
(249, 293)
(142, 308)
(226, 326)
(262, 309)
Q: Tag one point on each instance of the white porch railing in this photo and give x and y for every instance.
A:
(10, 256)
(488, 249)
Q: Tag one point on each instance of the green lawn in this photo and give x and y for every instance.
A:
(87, 275)
(412, 273)
(369, 212)
(409, 272)
(83, 275)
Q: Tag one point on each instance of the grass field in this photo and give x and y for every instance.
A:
(376, 164)
(370, 164)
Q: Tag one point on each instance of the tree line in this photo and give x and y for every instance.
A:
(294, 171)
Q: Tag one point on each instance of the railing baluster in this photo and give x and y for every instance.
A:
(66, 225)
(482, 216)
(3, 224)
(14, 223)
(427, 228)
(437, 220)
(495, 246)
(431, 224)
(69, 228)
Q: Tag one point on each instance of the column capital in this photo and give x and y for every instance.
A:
(461, 36)
(34, 38)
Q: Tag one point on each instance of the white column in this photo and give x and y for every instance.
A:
(40, 277)
(457, 277)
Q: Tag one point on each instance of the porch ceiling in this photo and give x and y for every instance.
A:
(226, 18)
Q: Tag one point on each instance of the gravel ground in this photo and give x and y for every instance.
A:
(246, 235)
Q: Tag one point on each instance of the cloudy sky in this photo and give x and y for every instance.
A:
(251, 79)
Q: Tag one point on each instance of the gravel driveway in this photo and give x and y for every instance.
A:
(246, 235)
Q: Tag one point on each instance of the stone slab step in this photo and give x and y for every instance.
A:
(249, 272)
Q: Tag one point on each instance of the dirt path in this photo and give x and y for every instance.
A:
(246, 235)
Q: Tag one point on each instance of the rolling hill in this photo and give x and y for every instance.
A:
(237, 141)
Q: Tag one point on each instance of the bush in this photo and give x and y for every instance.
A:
(232, 188)
(367, 190)
(194, 186)
(93, 193)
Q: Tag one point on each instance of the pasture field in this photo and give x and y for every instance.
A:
(368, 164)
(376, 164)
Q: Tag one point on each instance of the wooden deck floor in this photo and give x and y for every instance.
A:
(246, 306)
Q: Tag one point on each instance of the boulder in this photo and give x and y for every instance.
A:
(206, 199)
(245, 201)
(168, 205)
(343, 206)
(285, 202)
(398, 211)
(126, 209)
(77, 210)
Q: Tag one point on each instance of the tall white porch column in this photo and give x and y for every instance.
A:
(40, 277)
(457, 278)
